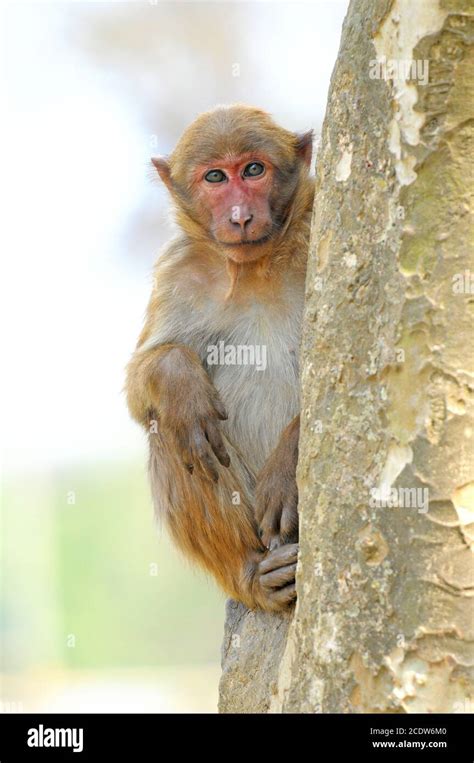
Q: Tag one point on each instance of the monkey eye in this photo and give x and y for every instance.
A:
(215, 176)
(253, 169)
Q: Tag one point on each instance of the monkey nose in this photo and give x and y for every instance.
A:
(242, 220)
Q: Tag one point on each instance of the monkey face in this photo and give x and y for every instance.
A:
(236, 196)
(233, 175)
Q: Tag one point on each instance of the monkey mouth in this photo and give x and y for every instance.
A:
(247, 242)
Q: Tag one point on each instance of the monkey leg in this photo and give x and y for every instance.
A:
(276, 502)
(214, 524)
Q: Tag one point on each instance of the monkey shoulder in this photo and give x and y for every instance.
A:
(191, 305)
(183, 266)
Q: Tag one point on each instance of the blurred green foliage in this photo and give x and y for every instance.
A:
(89, 581)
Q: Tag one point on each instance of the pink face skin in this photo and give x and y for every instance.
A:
(238, 204)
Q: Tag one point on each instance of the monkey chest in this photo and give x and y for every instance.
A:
(254, 367)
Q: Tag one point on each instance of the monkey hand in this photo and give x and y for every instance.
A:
(189, 410)
(274, 582)
(276, 507)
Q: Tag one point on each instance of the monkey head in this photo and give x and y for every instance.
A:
(234, 177)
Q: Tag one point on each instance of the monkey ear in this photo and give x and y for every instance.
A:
(162, 166)
(304, 146)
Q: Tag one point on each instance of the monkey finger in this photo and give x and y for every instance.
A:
(270, 539)
(289, 521)
(184, 453)
(205, 456)
(280, 557)
(275, 542)
(279, 578)
(208, 469)
(219, 408)
(187, 460)
(217, 444)
(263, 501)
(260, 508)
(284, 596)
(188, 463)
(269, 526)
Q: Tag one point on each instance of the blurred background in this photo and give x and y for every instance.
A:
(98, 612)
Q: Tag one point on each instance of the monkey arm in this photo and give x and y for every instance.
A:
(213, 523)
(208, 510)
(276, 507)
(169, 384)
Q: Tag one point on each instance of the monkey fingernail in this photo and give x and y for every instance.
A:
(221, 411)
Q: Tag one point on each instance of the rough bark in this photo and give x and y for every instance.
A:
(384, 619)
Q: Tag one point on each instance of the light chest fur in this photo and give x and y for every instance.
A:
(260, 401)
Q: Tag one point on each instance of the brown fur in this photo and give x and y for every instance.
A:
(203, 481)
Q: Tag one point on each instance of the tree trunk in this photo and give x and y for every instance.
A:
(384, 621)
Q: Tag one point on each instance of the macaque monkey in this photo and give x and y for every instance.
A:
(223, 429)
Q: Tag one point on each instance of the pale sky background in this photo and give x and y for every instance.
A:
(83, 220)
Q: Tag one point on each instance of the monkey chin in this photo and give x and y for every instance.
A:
(247, 251)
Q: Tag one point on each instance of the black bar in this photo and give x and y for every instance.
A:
(104, 737)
